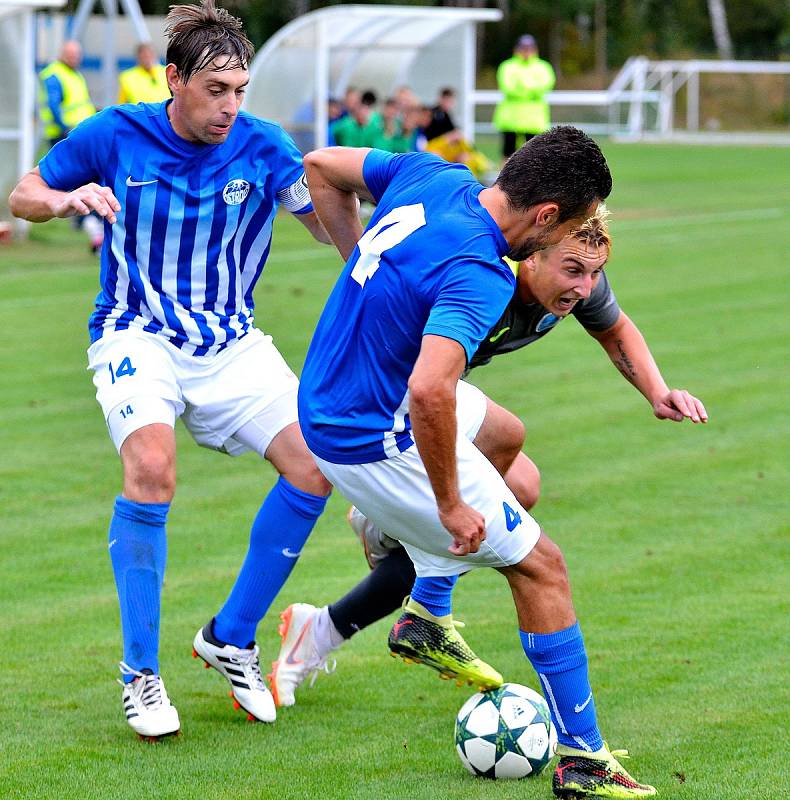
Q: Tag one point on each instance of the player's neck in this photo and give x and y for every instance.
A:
(515, 225)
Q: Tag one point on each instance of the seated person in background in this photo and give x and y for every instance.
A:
(394, 136)
(360, 127)
(447, 141)
(334, 112)
(406, 100)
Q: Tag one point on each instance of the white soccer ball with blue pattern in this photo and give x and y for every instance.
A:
(505, 733)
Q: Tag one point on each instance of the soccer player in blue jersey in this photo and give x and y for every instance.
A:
(565, 280)
(188, 189)
(377, 401)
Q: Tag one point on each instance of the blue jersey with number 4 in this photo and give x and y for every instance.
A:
(429, 262)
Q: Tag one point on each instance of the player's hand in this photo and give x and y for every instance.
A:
(466, 526)
(90, 197)
(679, 405)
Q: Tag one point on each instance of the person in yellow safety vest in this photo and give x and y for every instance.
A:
(146, 82)
(524, 80)
(64, 100)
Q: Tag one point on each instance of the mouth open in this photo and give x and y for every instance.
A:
(566, 303)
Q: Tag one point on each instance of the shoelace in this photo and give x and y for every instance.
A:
(322, 666)
(248, 661)
(147, 689)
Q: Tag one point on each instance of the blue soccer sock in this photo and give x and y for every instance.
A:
(278, 534)
(561, 663)
(138, 551)
(435, 594)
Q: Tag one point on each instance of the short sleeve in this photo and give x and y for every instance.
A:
(378, 170)
(470, 301)
(78, 159)
(292, 191)
(600, 310)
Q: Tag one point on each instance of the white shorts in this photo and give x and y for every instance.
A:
(141, 379)
(396, 495)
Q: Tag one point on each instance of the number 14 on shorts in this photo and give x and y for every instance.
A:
(124, 368)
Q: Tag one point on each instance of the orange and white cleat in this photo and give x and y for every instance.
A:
(299, 656)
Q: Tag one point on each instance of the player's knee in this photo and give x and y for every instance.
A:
(150, 476)
(305, 475)
(545, 566)
(523, 479)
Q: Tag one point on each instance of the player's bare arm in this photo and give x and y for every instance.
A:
(313, 224)
(432, 388)
(629, 352)
(34, 200)
(334, 175)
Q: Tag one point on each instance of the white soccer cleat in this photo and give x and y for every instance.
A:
(298, 657)
(146, 705)
(242, 670)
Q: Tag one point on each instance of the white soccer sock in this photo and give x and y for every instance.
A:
(325, 635)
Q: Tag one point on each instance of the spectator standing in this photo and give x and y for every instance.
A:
(64, 101)
(524, 81)
(146, 82)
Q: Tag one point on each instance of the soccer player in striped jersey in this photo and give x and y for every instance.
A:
(188, 189)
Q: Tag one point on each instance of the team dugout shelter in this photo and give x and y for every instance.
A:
(319, 55)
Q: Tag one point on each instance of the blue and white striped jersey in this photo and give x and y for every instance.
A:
(195, 224)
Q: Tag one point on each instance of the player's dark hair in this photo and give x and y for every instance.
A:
(563, 166)
(198, 34)
(368, 98)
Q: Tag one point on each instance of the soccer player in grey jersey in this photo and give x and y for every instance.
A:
(567, 279)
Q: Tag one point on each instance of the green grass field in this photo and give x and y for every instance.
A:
(676, 536)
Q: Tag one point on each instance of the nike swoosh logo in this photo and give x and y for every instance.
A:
(499, 334)
(111, 544)
(288, 553)
(289, 659)
(579, 708)
(130, 182)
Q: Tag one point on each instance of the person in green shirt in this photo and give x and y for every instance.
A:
(524, 81)
(360, 127)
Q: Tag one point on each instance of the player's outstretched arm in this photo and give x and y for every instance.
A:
(432, 388)
(334, 175)
(629, 352)
(34, 200)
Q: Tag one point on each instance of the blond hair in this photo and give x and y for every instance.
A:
(594, 231)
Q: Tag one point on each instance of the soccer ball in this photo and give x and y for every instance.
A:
(505, 733)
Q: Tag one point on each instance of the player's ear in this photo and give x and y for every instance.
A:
(547, 214)
(173, 79)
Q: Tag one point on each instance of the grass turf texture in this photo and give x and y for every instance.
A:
(675, 536)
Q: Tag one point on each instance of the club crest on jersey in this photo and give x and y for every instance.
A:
(546, 322)
(235, 192)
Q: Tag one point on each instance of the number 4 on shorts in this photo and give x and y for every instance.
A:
(512, 518)
(124, 368)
